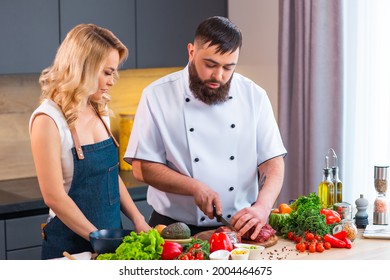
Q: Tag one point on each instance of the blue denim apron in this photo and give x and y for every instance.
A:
(95, 190)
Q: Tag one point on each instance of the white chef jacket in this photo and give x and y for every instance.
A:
(219, 145)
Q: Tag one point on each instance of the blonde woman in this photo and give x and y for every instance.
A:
(74, 152)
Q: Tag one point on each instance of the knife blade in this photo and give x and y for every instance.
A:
(222, 220)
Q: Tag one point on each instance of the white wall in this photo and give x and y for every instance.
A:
(259, 23)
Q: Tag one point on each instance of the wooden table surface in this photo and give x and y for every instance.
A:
(362, 249)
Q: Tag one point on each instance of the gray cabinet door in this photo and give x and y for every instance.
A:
(25, 254)
(2, 241)
(29, 35)
(24, 232)
(115, 15)
(164, 28)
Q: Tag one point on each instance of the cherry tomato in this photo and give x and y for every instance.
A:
(297, 239)
(318, 237)
(300, 247)
(290, 235)
(184, 257)
(309, 236)
(312, 248)
(327, 245)
(199, 256)
(320, 247)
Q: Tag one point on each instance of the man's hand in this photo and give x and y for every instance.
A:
(205, 198)
(250, 217)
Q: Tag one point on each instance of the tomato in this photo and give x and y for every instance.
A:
(290, 235)
(171, 250)
(199, 255)
(309, 236)
(320, 247)
(327, 245)
(220, 241)
(297, 239)
(318, 237)
(300, 247)
(312, 248)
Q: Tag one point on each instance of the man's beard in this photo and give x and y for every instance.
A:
(205, 94)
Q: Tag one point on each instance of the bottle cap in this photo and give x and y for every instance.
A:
(380, 172)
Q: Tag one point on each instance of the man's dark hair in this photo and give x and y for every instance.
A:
(220, 32)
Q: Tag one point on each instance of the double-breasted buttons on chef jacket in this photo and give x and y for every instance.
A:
(215, 152)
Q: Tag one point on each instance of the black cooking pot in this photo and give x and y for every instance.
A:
(107, 240)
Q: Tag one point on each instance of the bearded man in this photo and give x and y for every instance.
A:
(206, 137)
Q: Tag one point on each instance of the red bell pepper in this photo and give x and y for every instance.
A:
(220, 241)
(348, 243)
(341, 234)
(171, 250)
(334, 242)
(331, 216)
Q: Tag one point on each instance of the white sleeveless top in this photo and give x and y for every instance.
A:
(50, 108)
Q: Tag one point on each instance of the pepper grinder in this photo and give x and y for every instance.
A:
(361, 217)
(380, 204)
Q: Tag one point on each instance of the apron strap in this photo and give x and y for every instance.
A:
(107, 128)
(76, 141)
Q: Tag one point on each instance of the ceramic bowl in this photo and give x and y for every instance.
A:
(239, 254)
(107, 240)
(219, 255)
(254, 250)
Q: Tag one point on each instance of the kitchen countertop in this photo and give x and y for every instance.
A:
(362, 249)
(22, 197)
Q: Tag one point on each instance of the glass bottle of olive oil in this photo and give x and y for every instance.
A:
(338, 185)
(326, 189)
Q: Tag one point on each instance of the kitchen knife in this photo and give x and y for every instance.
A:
(222, 220)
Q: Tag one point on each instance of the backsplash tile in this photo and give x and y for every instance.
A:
(19, 96)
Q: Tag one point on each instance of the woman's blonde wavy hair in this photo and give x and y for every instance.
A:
(75, 70)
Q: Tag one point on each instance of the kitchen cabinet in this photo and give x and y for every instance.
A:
(2, 240)
(155, 32)
(20, 222)
(164, 28)
(116, 15)
(24, 237)
(29, 35)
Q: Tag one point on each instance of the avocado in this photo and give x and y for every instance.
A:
(176, 230)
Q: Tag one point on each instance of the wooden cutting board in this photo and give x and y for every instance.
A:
(206, 235)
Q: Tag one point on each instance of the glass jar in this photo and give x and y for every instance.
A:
(380, 210)
(349, 226)
(125, 127)
(232, 236)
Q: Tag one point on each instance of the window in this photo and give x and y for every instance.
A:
(366, 140)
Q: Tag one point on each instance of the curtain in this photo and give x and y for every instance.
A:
(310, 90)
(366, 133)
